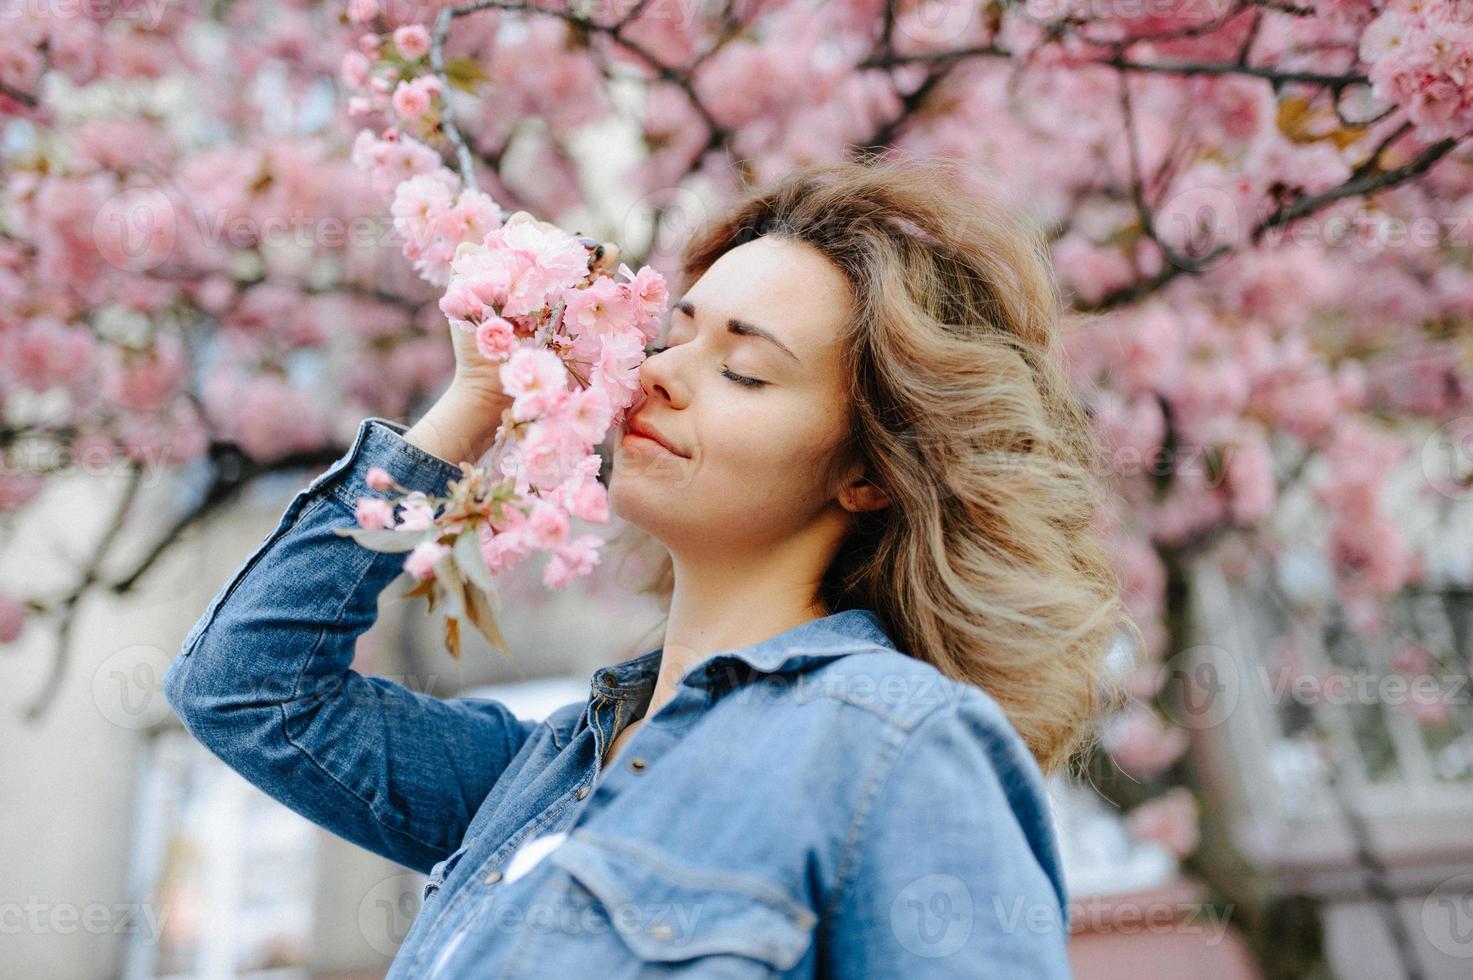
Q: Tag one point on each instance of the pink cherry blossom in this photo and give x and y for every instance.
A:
(462, 306)
(390, 162)
(411, 100)
(1169, 820)
(548, 526)
(419, 202)
(1421, 52)
(571, 561)
(590, 502)
(46, 352)
(589, 414)
(649, 291)
(374, 513)
(1143, 743)
(548, 454)
(552, 261)
(266, 415)
(599, 309)
(505, 549)
(533, 371)
(416, 513)
(355, 69)
(412, 40)
(1250, 478)
(422, 559)
(495, 338)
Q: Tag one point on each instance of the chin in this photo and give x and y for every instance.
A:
(625, 501)
(635, 502)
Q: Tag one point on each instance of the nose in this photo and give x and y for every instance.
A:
(659, 380)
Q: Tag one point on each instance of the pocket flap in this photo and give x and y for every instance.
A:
(665, 910)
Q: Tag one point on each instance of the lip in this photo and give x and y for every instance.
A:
(634, 427)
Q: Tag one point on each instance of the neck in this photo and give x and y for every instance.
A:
(732, 603)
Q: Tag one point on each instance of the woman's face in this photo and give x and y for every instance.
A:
(753, 420)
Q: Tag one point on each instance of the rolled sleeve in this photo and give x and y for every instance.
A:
(264, 677)
(380, 443)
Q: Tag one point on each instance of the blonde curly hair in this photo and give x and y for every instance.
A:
(988, 563)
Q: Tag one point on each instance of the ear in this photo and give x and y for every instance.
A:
(862, 495)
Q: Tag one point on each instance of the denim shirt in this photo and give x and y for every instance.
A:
(817, 804)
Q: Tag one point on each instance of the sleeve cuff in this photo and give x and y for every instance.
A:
(380, 442)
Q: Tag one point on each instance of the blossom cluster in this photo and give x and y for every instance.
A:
(1421, 57)
(568, 336)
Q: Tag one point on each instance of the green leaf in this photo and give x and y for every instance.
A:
(468, 556)
(381, 539)
(452, 636)
(479, 611)
(422, 589)
(448, 577)
(464, 73)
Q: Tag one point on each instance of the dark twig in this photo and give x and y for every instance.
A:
(67, 611)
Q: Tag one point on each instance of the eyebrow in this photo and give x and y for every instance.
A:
(740, 327)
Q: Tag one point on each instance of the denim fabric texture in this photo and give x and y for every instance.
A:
(818, 804)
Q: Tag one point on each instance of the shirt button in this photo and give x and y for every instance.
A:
(582, 792)
(638, 763)
(492, 878)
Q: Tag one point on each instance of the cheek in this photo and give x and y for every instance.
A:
(774, 455)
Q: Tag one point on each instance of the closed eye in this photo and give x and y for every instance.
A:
(740, 379)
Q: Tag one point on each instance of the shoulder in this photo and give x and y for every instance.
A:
(965, 772)
(913, 715)
(949, 746)
(933, 714)
(953, 788)
(905, 692)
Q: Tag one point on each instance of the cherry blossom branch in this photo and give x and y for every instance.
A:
(1276, 76)
(1354, 186)
(1357, 186)
(27, 98)
(680, 78)
(464, 164)
(67, 611)
(31, 99)
(910, 104)
(231, 472)
(1137, 189)
(1373, 161)
(1283, 8)
(1120, 62)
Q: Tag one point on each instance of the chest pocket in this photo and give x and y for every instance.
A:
(623, 910)
(443, 868)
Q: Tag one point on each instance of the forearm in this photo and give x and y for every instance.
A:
(460, 425)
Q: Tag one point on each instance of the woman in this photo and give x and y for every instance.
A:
(871, 491)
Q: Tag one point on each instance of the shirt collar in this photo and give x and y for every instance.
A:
(796, 648)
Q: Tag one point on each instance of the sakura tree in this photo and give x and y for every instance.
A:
(230, 231)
